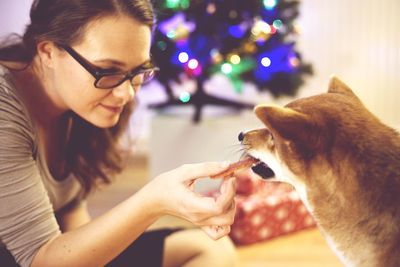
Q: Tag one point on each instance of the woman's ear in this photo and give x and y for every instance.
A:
(47, 51)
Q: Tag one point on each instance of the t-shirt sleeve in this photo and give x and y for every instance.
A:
(27, 219)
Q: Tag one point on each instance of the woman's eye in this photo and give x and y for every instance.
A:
(109, 70)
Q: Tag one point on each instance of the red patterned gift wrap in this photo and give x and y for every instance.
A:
(267, 210)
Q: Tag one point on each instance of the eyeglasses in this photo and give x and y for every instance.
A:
(105, 79)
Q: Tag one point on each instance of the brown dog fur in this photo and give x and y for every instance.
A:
(344, 163)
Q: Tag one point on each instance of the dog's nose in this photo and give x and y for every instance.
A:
(241, 136)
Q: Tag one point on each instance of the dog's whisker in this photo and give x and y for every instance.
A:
(236, 149)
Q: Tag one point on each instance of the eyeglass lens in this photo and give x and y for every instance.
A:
(109, 81)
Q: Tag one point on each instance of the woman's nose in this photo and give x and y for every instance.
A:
(125, 91)
(241, 136)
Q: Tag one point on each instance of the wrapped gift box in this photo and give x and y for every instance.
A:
(266, 210)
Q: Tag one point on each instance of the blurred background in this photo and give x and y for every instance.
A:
(357, 40)
(235, 68)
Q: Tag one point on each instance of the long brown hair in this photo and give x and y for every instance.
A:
(92, 152)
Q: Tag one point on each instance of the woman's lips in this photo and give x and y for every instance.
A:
(113, 109)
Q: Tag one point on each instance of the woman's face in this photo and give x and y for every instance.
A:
(114, 43)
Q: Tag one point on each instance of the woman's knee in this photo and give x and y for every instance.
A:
(194, 248)
(225, 250)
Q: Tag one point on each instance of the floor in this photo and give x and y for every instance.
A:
(303, 249)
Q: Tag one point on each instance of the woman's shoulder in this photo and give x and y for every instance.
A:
(6, 69)
(13, 112)
(9, 98)
(6, 80)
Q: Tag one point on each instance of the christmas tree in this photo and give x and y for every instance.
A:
(246, 40)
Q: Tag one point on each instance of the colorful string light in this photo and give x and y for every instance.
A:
(177, 4)
(243, 41)
(193, 64)
(234, 59)
(226, 68)
(184, 97)
(266, 62)
(270, 4)
(183, 57)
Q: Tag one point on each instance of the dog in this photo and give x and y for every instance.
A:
(345, 165)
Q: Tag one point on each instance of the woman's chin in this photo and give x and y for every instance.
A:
(100, 119)
(107, 124)
(104, 122)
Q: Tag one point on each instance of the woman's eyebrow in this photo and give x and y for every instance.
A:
(120, 64)
(111, 61)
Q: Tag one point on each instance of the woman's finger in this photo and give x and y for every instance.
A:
(223, 219)
(228, 192)
(200, 170)
(216, 232)
(217, 207)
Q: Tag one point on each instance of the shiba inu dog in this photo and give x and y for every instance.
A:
(345, 165)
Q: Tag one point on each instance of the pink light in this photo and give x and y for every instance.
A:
(193, 64)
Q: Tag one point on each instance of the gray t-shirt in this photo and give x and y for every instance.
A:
(29, 195)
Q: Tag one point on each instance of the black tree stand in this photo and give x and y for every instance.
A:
(200, 99)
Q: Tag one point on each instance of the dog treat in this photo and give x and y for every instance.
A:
(242, 164)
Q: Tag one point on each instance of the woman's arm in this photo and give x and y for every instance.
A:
(99, 241)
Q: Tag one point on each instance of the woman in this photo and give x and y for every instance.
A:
(66, 91)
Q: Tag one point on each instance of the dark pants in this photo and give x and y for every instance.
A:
(147, 251)
(6, 259)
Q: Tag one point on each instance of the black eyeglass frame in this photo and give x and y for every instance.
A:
(98, 74)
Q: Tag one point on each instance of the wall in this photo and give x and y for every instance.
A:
(14, 15)
(358, 40)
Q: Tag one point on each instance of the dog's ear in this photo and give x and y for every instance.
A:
(285, 122)
(338, 87)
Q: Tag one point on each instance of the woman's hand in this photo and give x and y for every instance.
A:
(174, 195)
